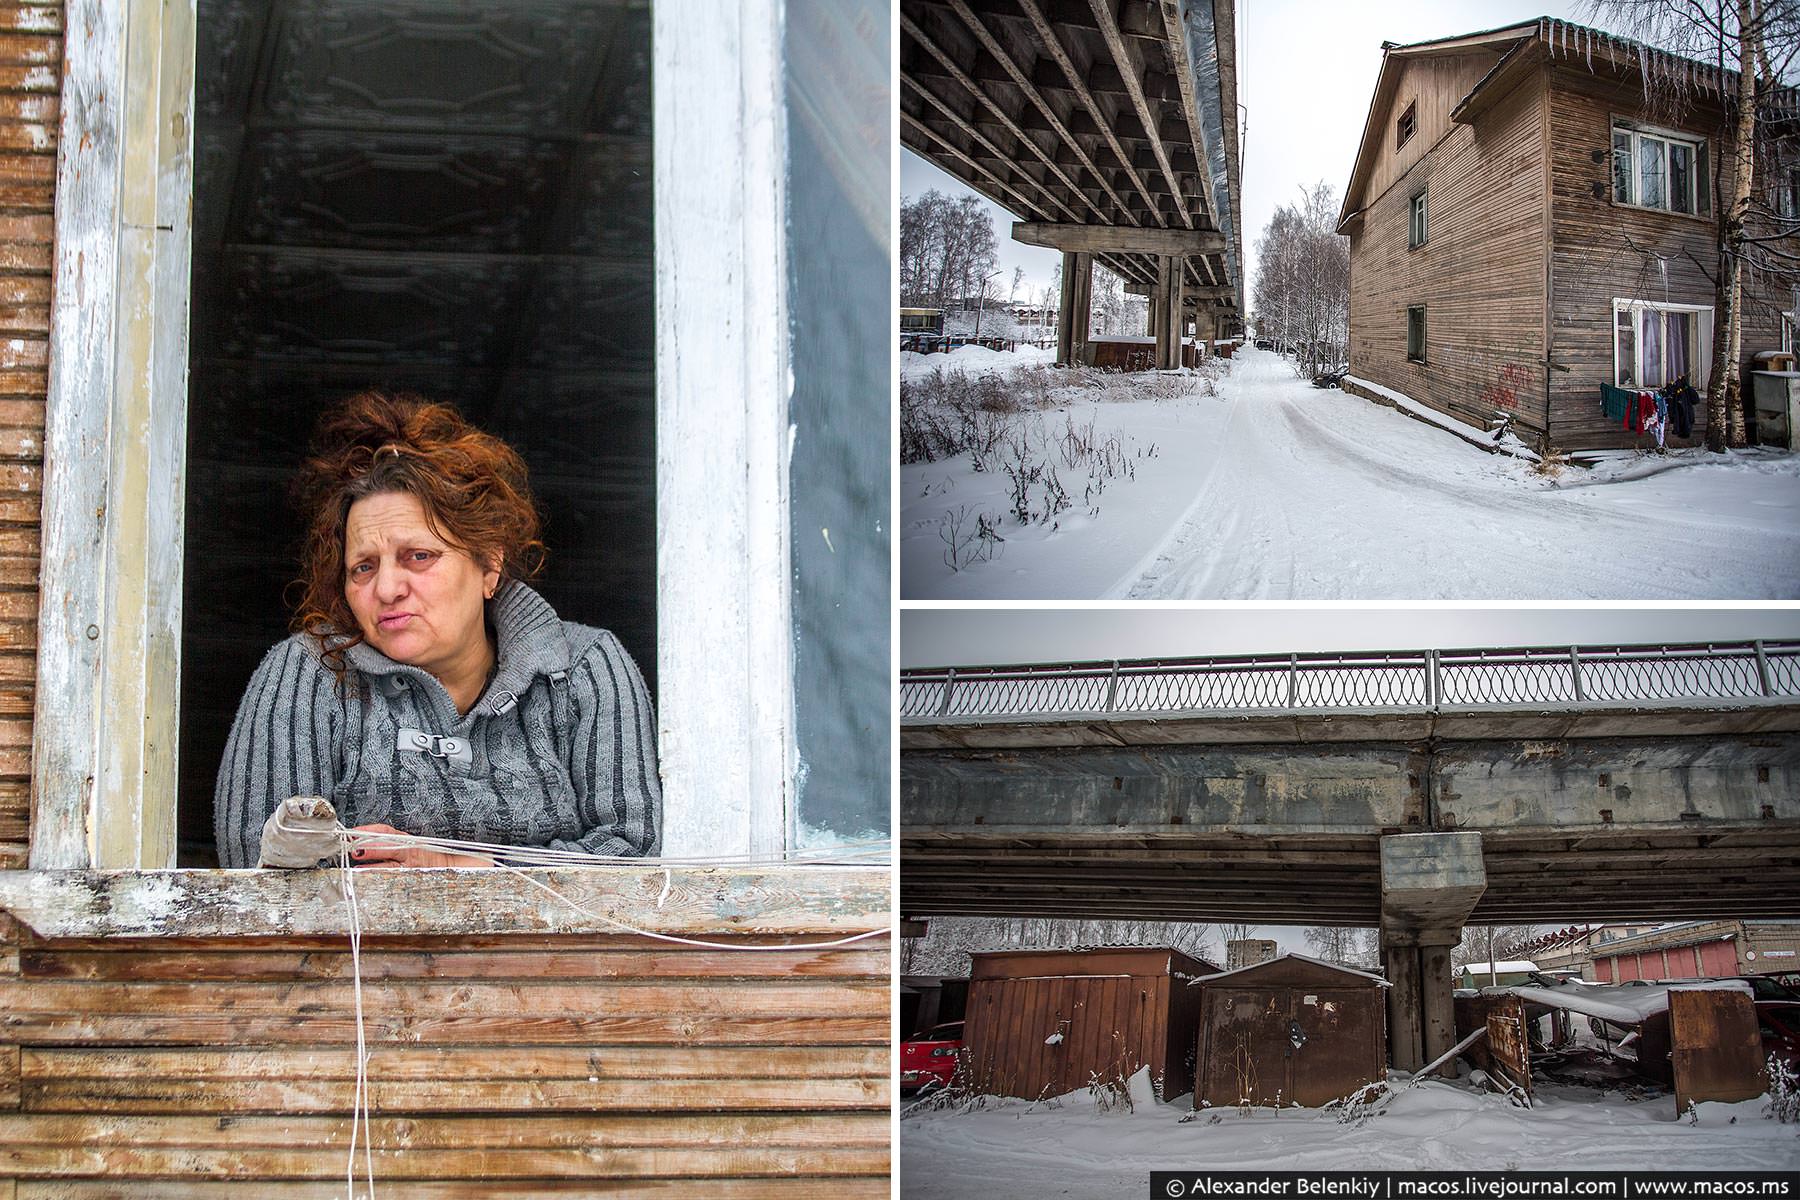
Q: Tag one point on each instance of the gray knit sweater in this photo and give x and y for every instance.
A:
(560, 750)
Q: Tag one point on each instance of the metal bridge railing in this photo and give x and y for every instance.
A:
(1428, 679)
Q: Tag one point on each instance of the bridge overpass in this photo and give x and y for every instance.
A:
(1415, 791)
(1110, 129)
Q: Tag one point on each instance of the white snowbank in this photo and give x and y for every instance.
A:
(1507, 442)
(1517, 964)
(973, 360)
(1016, 1150)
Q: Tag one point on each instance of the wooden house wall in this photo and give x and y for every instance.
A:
(1603, 250)
(30, 82)
(1434, 83)
(196, 1068)
(1480, 274)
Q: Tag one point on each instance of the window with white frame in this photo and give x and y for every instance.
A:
(1655, 168)
(749, 754)
(1787, 193)
(1416, 228)
(1654, 344)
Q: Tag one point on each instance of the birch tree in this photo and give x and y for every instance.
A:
(1302, 291)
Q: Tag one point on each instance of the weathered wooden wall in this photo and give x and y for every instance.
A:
(1480, 274)
(1604, 250)
(30, 82)
(515, 1065)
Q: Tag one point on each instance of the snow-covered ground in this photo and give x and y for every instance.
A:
(1274, 489)
(1016, 1150)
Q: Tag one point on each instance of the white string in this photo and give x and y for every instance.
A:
(359, 1104)
(545, 856)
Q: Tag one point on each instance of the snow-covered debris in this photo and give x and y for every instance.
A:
(1623, 1005)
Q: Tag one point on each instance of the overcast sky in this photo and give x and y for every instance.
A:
(1306, 71)
(952, 638)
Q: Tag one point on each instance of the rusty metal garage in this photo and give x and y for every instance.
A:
(1289, 1031)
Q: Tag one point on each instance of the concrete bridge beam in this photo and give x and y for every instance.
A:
(1430, 883)
(1117, 239)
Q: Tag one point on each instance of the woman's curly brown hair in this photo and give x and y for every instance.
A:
(471, 485)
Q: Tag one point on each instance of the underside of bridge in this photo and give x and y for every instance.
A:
(1416, 824)
(1110, 129)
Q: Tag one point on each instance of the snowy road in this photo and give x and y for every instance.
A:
(1276, 490)
(1330, 496)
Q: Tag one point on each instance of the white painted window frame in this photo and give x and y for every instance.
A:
(109, 635)
(1701, 351)
(104, 734)
(1696, 185)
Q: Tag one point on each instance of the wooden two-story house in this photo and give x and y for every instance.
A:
(1526, 224)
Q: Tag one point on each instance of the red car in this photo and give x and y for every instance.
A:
(929, 1059)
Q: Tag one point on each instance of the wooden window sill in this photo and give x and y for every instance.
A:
(821, 902)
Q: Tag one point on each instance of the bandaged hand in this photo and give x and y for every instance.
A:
(301, 831)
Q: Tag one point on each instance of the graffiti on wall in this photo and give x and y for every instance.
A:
(1504, 393)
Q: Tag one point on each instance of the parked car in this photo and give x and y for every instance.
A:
(928, 1060)
(1767, 987)
(1779, 1023)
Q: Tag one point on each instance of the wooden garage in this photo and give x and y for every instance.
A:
(1291, 1031)
(1046, 1022)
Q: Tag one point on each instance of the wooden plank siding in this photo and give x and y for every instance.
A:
(513, 1064)
(1480, 273)
(1602, 250)
(30, 90)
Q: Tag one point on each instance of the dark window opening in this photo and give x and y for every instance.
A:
(1407, 125)
(432, 198)
(1415, 334)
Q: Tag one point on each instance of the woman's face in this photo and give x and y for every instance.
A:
(417, 599)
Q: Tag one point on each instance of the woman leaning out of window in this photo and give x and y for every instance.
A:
(427, 689)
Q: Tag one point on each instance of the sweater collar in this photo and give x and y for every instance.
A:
(530, 644)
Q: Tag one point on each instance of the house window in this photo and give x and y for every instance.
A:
(1655, 169)
(1654, 344)
(1787, 194)
(1407, 125)
(1416, 229)
(1415, 334)
(752, 767)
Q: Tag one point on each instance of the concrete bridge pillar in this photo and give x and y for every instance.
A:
(1077, 298)
(1166, 303)
(1203, 325)
(1429, 885)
